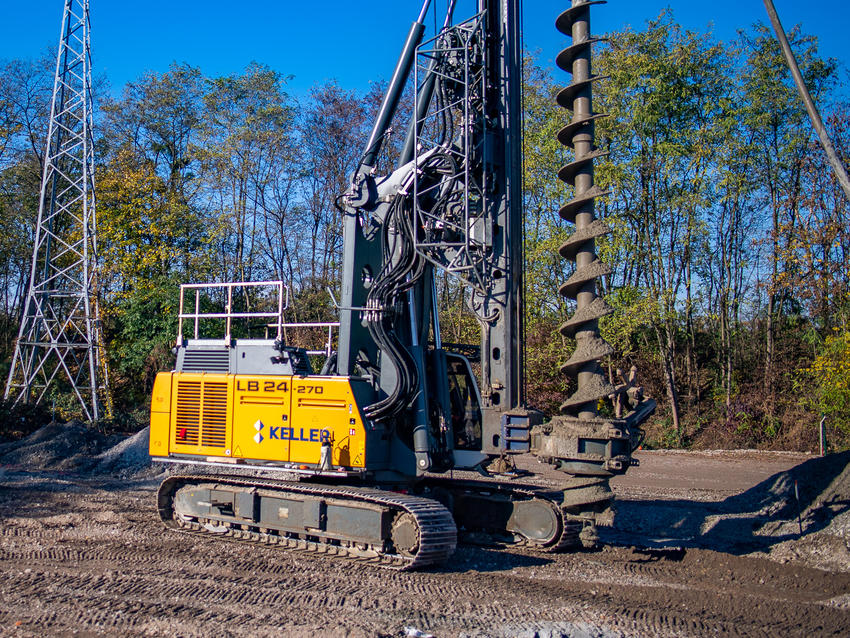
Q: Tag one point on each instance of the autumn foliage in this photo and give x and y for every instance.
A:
(730, 242)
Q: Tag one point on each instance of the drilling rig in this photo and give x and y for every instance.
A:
(375, 437)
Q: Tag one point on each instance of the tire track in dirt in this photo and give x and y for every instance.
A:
(113, 610)
(126, 602)
(677, 604)
(99, 595)
(100, 562)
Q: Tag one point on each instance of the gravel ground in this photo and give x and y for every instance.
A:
(704, 544)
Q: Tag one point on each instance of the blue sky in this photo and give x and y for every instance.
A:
(354, 42)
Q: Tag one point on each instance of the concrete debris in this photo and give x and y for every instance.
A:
(560, 630)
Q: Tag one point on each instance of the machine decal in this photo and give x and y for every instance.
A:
(258, 426)
(314, 435)
(257, 386)
(309, 389)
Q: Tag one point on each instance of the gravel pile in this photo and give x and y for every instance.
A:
(823, 486)
(57, 446)
(129, 457)
(814, 496)
(73, 447)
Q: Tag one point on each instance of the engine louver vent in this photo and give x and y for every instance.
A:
(206, 361)
(188, 413)
(214, 425)
(201, 414)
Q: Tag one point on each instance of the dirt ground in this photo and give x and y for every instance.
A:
(703, 544)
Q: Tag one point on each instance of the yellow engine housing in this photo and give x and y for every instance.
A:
(257, 419)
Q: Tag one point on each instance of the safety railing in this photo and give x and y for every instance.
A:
(329, 325)
(280, 290)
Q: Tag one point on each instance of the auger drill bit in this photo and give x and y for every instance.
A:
(588, 447)
(580, 247)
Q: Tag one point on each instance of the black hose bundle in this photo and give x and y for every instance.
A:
(402, 268)
(402, 264)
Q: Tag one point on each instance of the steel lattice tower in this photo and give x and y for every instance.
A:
(59, 343)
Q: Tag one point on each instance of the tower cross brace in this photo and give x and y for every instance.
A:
(59, 343)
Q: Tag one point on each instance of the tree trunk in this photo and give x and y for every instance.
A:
(693, 374)
(667, 346)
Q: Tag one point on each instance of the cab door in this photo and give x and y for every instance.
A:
(465, 400)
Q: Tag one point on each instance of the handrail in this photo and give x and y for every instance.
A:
(228, 315)
(330, 325)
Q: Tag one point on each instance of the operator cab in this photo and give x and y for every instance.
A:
(465, 403)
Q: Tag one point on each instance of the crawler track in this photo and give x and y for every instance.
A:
(566, 534)
(437, 534)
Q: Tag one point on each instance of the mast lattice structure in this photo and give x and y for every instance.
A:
(59, 344)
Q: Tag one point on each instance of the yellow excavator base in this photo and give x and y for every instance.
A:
(255, 419)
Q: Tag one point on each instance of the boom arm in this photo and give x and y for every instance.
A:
(463, 214)
(455, 204)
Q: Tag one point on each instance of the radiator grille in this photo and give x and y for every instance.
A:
(188, 413)
(206, 361)
(201, 414)
(214, 426)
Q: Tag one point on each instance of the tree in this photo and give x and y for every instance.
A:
(158, 117)
(830, 376)
(336, 125)
(545, 231)
(150, 241)
(780, 130)
(662, 98)
(246, 148)
(25, 93)
(819, 245)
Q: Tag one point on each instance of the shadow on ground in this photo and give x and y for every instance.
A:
(757, 519)
(483, 559)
